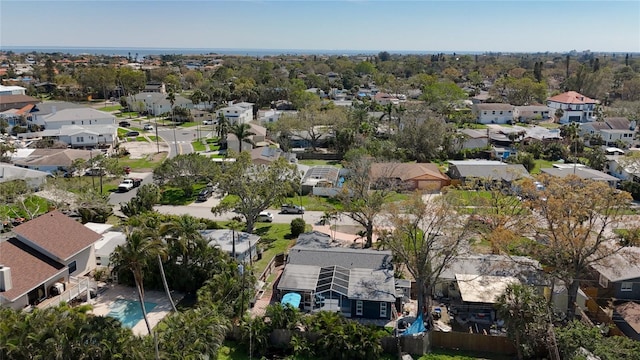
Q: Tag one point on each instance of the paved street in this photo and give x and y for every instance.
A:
(116, 197)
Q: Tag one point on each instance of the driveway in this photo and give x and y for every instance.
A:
(117, 197)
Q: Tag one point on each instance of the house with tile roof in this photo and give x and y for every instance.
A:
(611, 130)
(493, 113)
(46, 250)
(575, 107)
(358, 283)
(53, 160)
(409, 176)
(16, 101)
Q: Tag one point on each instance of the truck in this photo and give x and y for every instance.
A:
(128, 184)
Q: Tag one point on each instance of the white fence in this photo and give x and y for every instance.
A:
(75, 287)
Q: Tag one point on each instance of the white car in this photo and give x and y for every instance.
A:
(148, 127)
(207, 122)
(265, 216)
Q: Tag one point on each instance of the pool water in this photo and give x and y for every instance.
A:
(128, 312)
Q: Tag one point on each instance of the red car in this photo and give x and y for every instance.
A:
(127, 170)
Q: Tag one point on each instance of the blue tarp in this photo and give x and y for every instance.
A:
(292, 299)
(416, 328)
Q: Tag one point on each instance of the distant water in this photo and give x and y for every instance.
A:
(142, 52)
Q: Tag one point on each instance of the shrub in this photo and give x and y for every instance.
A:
(297, 227)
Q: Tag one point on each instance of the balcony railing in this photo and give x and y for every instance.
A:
(74, 288)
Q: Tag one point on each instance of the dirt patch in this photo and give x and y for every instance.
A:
(349, 229)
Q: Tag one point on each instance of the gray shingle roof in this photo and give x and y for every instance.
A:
(344, 257)
(487, 170)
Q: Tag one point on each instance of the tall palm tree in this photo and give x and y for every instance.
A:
(223, 126)
(171, 96)
(135, 255)
(183, 234)
(243, 133)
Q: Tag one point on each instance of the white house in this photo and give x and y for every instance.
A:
(89, 136)
(245, 243)
(12, 90)
(47, 250)
(611, 130)
(575, 107)
(493, 113)
(80, 116)
(240, 113)
(623, 167)
(35, 179)
(156, 103)
(533, 112)
(272, 115)
(53, 160)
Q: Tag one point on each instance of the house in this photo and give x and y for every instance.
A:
(155, 87)
(409, 176)
(531, 113)
(41, 110)
(54, 160)
(241, 113)
(246, 245)
(623, 168)
(626, 316)
(267, 155)
(12, 90)
(272, 115)
(16, 101)
(618, 275)
(493, 113)
(35, 179)
(611, 130)
(155, 103)
(575, 107)
(46, 250)
(464, 170)
(322, 180)
(473, 139)
(79, 116)
(385, 99)
(84, 136)
(583, 172)
(359, 283)
(107, 244)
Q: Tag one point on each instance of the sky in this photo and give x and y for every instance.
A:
(419, 25)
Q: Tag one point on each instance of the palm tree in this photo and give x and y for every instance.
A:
(184, 235)
(171, 96)
(243, 133)
(223, 126)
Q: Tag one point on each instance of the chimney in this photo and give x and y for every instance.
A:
(5, 278)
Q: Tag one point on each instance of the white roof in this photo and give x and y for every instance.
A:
(483, 288)
(97, 227)
(110, 240)
(10, 88)
(78, 115)
(224, 239)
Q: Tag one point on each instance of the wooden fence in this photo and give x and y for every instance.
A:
(473, 342)
(318, 156)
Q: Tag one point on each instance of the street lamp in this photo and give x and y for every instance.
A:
(156, 120)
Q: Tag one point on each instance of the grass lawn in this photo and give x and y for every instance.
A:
(189, 124)
(540, 164)
(141, 138)
(111, 108)
(34, 204)
(309, 162)
(148, 163)
(469, 197)
(314, 203)
(215, 147)
(549, 125)
(198, 146)
(152, 137)
(176, 196)
(129, 114)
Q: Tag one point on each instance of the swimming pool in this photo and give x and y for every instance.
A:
(128, 311)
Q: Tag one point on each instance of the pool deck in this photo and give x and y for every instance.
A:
(101, 304)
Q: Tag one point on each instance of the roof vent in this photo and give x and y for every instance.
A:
(5, 278)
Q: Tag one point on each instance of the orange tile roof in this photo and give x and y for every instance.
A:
(28, 267)
(572, 97)
(57, 234)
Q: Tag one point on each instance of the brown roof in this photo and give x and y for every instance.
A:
(572, 97)
(57, 234)
(494, 106)
(618, 123)
(406, 171)
(15, 99)
(630, 312)
(56, 157)
(29, 268)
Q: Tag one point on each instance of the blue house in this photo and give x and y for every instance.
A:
(358, 283)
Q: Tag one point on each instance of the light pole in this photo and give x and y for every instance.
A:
(156, 120)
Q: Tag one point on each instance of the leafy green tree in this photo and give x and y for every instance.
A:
(522, 91)
(576, 335)
(147, 196)
(441, 93)
(183, 237)
(94, 207)
(186, 170)
(255, 187)
(297, 227)
(526, 318)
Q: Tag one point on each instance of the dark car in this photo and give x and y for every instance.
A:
(124, 124)
(204, 194)
(132, 133)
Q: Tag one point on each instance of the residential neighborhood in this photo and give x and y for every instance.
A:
(422, 213)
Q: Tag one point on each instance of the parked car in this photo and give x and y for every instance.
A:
(95, 171)
(204, 194)
(148, 127)
(291, 209)
(128, 184)
(207, 122)
(124, 124)
(265, 216)
(132, 133)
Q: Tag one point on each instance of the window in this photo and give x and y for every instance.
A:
(79, 139)
(493, 113)
(383, 309)
(603, 281)
(626, 286)
(72, 267)
(500, 112)
(359, 307)
(73, 123)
